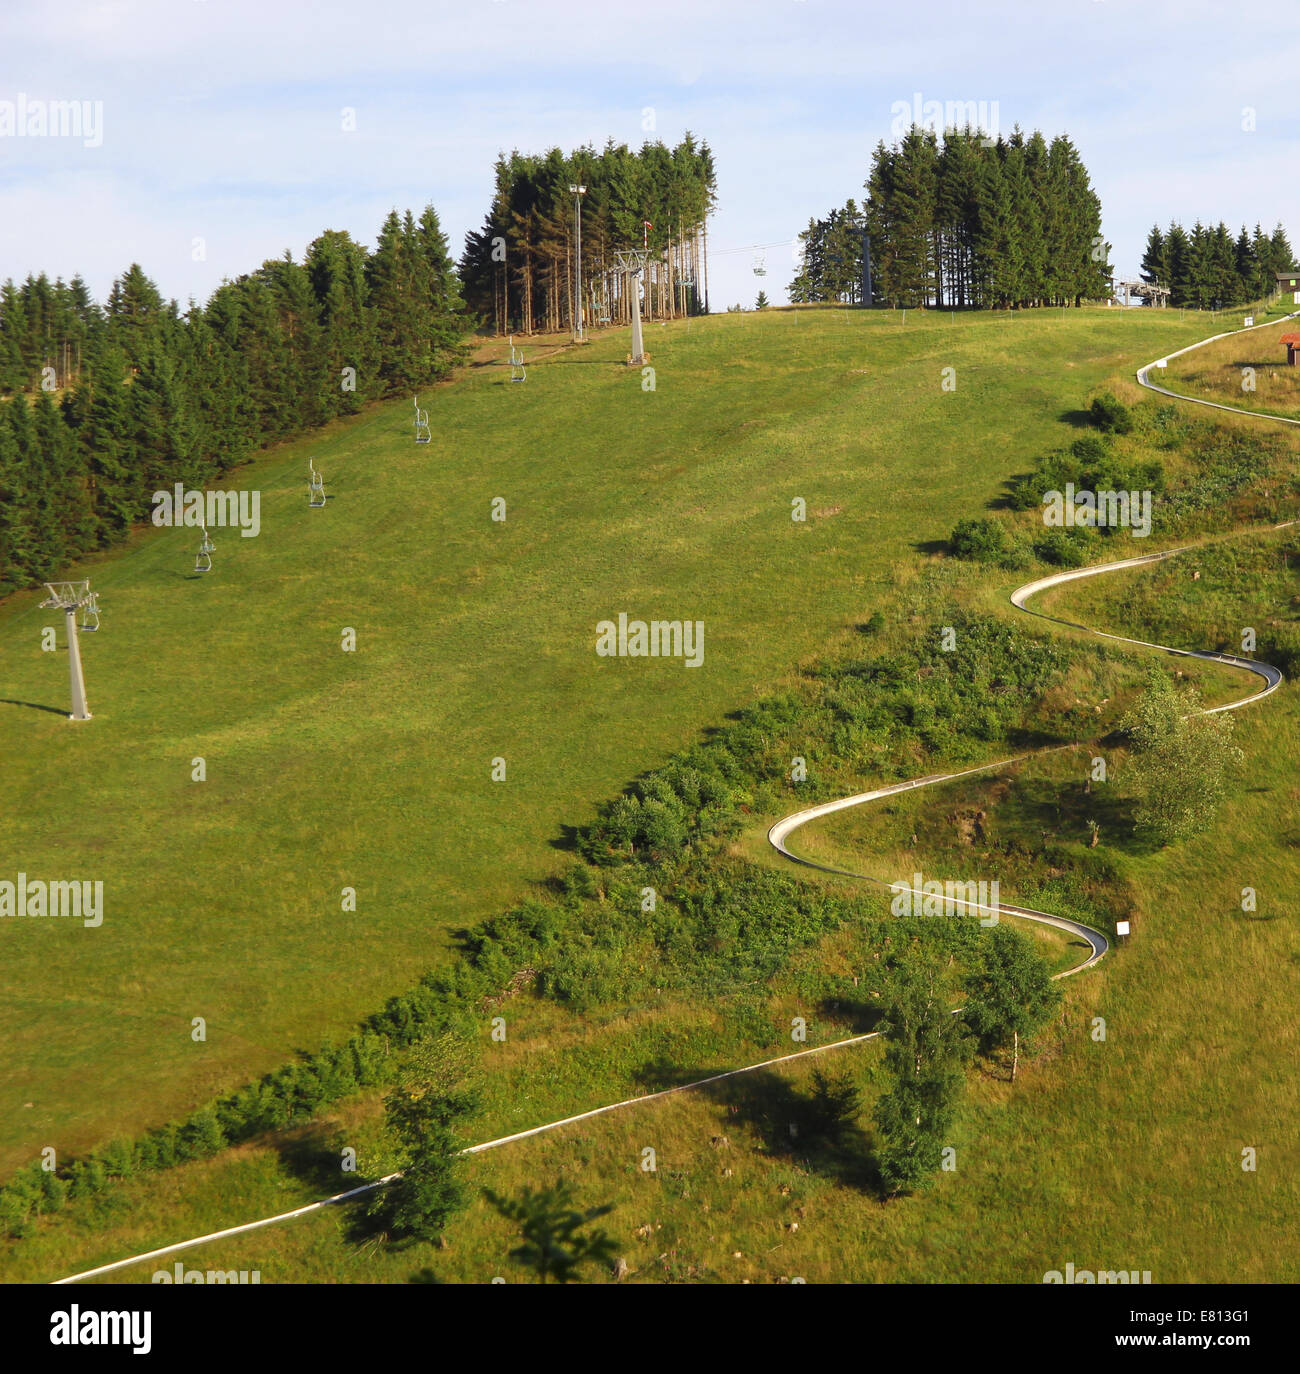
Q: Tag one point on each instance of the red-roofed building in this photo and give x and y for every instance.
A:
(1292, 342)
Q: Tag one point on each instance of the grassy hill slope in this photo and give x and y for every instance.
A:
(475, 640)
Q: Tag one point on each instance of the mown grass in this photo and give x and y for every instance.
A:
(475, 640)
(1117, 1153)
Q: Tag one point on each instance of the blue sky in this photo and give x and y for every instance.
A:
(222, 119)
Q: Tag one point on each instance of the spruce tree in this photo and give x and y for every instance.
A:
(104, 453)
(911, 216)
(1155, 266)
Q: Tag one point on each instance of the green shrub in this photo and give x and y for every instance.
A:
(1110, 414)
(983, 540)
(1063, 548)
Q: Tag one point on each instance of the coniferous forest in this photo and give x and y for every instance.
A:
(1207, 269)
(517, 270)
(101, 405)
(134, 395)
(830, 266)
(962, 221)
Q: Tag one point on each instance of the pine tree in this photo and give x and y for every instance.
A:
(102, 438)
(1178, 255)
(15, 529)
(13, 326)
(66, 507)
(999, 264)
(1155, 262)
(1282, 254)
(336, 267)
(444, 306)
(40, 543)
(133, 314)
(308, 394)
(911, 217)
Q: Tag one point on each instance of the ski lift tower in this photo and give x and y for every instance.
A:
(578, 191)
(631, 262)
(70, 597)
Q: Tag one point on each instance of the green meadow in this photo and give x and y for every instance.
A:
(1121, 1152)
(371, 770)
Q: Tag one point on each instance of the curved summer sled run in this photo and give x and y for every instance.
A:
(783, 829)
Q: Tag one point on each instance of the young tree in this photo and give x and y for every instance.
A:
(553, 1241)
(1011, 995)
(422, 1114)
(1182, 757)
(926, 1049)
(761, 303)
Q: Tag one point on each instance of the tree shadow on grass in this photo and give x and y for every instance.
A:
(862, 1016)
(312, 1153)
(567, 839)
(1002, 501)
(660, 1074)
(1047, 808)
(785, 1120)
(767, 1103)
(1025, 738)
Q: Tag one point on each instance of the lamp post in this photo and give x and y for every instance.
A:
(578, 193)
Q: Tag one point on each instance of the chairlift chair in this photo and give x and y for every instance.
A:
(517, 370)
(316, 492)
(203, 559)
(422, 432)
(760, 266)
(90, 614)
